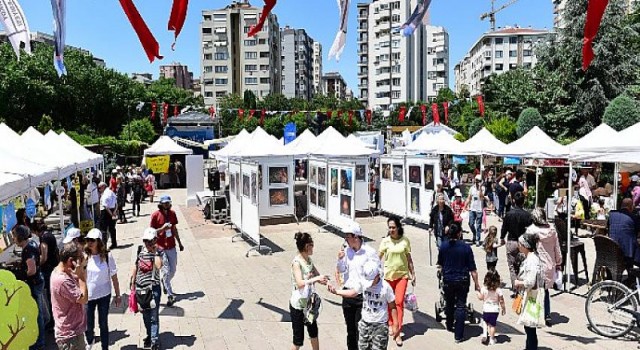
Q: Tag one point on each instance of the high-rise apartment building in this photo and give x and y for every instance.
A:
(233, 62)
(393, 68)
(333, 84)
(178, 72)
(559, 20)
(497, 52)
(297, 63)
(317, 68)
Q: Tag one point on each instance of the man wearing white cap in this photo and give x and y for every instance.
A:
(73, 235)
(351, 260)
(378, 298)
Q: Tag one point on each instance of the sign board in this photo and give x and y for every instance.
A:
(30, 208)
(60, 191)
(158, 164)
(511, 161)
(193, 133)
(289, 132)
(459, 159)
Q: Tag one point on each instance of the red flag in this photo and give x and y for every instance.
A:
(165, 112)
(403, 111)
(240, 113)
(148, 41)
(262, 116)
(368, 114)
(329, 114)
(177, 17)
(350, 117)
(423, 109)
(595, 11)
(251, 111)
(445, 105)
(268, 6)
(436, 115)
(480, 105)
(154, 106)
(212, 112)
(175, 110)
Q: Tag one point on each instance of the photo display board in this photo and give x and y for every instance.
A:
(234, 193)
(362, 187)
(422, 175)
(342, 193)
(317, 189)
(393, 190)
(250, 208)
(275, 178)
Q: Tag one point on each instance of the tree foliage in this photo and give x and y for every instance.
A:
(140, 130)
(622, 113)
(528, 119)
(475, 126)
(503, 128)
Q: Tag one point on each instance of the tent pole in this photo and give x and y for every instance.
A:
(537, 189)
(569, 199)
(616, 172)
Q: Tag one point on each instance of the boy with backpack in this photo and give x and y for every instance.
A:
(378, 298)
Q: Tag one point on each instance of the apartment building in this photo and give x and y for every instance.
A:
(317, 68)
(393, 68)
(231, 61)
(497, 52)
(559, 20)
(333, 84)
(297, 63)
(142, 78)
(179, 73)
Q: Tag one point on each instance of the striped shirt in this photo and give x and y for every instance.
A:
(147, 274)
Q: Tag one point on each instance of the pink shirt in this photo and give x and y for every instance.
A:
(69, 315)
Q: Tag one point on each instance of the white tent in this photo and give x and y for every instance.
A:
(74, 152)
(36, 148)
(600, 137)
(483, 143)
(6, 133)
(94, 158)
(432, 128)
(12, 185)
(166, 146)
(332, 143)
(535, 144)
(440, 143)
(260, 144)
(37, 173)
(624, 148)
(303, 144)
(232, 147)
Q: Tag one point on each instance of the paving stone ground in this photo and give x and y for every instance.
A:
(229, 301)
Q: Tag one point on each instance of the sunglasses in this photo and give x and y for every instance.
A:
(90, 240)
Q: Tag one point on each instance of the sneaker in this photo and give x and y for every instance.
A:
(492, 341)
(547, 321)
(147, 343)
(171, 300)
(458, 341)
(155, 346)
(483, 340)
(164, 289)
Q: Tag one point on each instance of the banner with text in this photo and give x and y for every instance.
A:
(158, 164)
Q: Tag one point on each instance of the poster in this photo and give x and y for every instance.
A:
(322, 176)
(414, 174)
(278, 197)
(254, 189)
(397, 173)
(246, 186)
(361, 173)
(386, 171)
(334, 182)
(322, 199)
(345, 205)
(428, 177)
(232, 183)
(415, 200)
(346, 178)
(314, 175)
(260, 176)
(159, 164)
(278, 175)
(237, 186)
(313, 194)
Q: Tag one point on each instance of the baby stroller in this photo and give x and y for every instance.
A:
(441, 304)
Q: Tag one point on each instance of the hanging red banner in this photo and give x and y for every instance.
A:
(423, 109)
(262, 116)
(368, 114)
(329, 114)
(595, 11)
(240, 113)
(436, 115)
(177, 17)
(445, 105)
(350, 117)
(268, 6)
(251, 112)
(154, 106)
(212, 112)
(480, 105)
(148, 41)
(175, 110)
(403, 111)
(165, 112)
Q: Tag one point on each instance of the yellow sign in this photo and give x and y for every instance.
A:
(158, 164)
(86, 225)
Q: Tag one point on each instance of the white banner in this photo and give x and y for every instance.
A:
(16, 26)
(59, 33)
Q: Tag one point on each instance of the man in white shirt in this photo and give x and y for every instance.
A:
(351, 260)
(108, 214)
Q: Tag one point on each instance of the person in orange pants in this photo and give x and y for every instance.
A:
(395, 254)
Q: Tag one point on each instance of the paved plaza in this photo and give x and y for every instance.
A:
(228, 301)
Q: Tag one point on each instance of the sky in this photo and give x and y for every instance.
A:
(101, 27)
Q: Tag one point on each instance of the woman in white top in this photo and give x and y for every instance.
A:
(101, 273)
(530, 283)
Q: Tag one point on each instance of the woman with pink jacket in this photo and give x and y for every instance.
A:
(549, 253)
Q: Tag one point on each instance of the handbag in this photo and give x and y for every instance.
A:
(144, 296)
(313, 308)
(133, 302)
(517, 304)
(410, 300)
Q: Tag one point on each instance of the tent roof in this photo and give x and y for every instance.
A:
(303, 144)
(598, 137)
(483, 142)
(8, 134)
(12, 185)
(535, 144)
(623, 148)
(31, 132)
(166, 146)
(74, 151)
(440, 143)
(332, 143)
(432, 128)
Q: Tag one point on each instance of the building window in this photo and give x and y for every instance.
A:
(221, 56)
(206, 30)
(250, 67)
(250, 42)
(246, 29)
(262, 41)
(265, 54)
(208, 56)
(219, 16)
(206, 17)
(526, 53)
(395, 18)
(513, 66)
(208, 94)
(499, 54)
(487, 54)
(498, 67)
(395, 81)
(251, 81)
(221, 69)
(251, 55)
(527, 65)
(265, 80)
(513, 40)
(221, 93)
(208, 69)
(513, 53)
(395, 94)
(499, 41)
(264, 67)
(220, 81)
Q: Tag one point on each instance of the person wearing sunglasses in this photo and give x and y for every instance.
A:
(146, 276)
(395, 253)
(102, 272)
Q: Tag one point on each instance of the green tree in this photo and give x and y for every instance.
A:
(139, 129)
(622, 113)
(475, 126)
(445, 95)
(18, 324)
(275, 102)
(250, 100)
(528, 119)
(46, 124)
(503, 128)
(510, 92)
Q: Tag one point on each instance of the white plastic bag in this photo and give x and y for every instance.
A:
(410, 300)
(557, 279)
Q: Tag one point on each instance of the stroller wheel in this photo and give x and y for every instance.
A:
(438, 310)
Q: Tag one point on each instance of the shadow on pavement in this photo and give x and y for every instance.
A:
(115, 336)
(556, 318)
(189, 296)
(285, 317)
(168, 340)
(232, 312)
(173, 311)
(123, 246)
(630, 337)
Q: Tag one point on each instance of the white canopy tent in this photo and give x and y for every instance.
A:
(535, 144)
(35, 173)
(93, 158)
(303, 144)
(6, 133)
(232, 147)
(73, 151)
(12, 185)
(623, 148)
(41, 151)
(483, 143)
(433, 128)
(440, 143)
(260, 144)
(166, 146)
(332, 144)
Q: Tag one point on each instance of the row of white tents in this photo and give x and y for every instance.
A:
(32, 159)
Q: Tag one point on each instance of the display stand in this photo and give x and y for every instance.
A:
(393, 190)
(422, 176)
(341, 194)
(317, 191)
(361, 178)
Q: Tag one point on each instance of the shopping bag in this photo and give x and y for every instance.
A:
(133, 303)
(557, 279)
(410, 300)
(517, 304)
(533, 311)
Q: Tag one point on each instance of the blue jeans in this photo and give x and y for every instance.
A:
(37, 292)
(532, 338)
(151, 316)
(475, 224)
(440, 240)
(547, 303)
(456, 303)
(103, 313)
(169, 265)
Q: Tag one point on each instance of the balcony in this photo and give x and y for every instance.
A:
(363, 62)
(363, 28)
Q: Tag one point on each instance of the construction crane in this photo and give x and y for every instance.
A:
(492, 14)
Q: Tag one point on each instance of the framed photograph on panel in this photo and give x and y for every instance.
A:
(254, 189)
(386, 171)
(361, 172)
(334, 182)
(278, 197)
(415, 200)
(313, 196)
(314, 175)
(322, 199)
(345, 205)
(414, 174)
(428, 177)
(278, 175)
(322, 176)
(246, 186)
(398, 175)
(346, 179)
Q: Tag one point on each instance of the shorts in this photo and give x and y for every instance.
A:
(297, 324)
(75, 343)
(491, 318)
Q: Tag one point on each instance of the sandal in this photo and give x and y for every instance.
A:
(398, 340)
